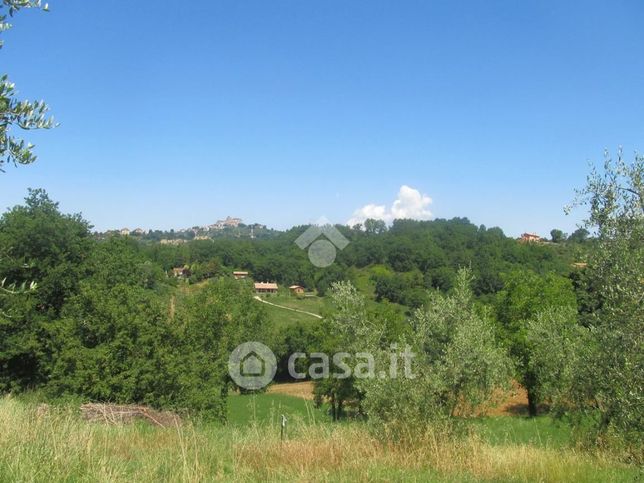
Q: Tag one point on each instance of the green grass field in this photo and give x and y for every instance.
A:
(281, 318)
(56, 445)
(542, 431)
(313, 304)
(266, 409)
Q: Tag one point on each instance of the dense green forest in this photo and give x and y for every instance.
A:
(410, 257)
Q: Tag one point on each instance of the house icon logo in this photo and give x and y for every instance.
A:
(322, 251)
(252, 365)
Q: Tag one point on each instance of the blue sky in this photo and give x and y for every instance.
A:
(176, 114)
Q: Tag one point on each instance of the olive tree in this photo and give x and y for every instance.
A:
(611, 377)
(447, 363)
(525, 294)
(16, 113)
(557, 345)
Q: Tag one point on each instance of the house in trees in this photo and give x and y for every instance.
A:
(529, 238)
(181, 272)
(296, 289)
(240, 275)
(265, 287)
(177, 241)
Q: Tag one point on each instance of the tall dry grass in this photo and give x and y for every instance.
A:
(330, 452)
(56, 445)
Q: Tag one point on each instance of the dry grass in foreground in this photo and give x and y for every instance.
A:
(59, 446)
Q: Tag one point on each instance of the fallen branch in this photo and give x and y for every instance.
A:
(126, 414)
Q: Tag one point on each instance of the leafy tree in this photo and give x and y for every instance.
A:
(456, 340)
(401, 256)
(114, 344)
(203, 271)
(341, 332)
(212, 322)
(557, 236)
(527, 293)
(328, 276)
(44, 246)
(337, 392)
(612, 375)
(344, 333)
(123, 344)
(389, 287)
(303, 338)
(557, 346)
(20, 344)
(407, 289)
(121, 260)
(374, 227)
(46, 250)
(103, 322)
(442, 278)
(580, 235)
(13, 112)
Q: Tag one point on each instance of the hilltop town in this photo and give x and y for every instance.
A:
(232, 227)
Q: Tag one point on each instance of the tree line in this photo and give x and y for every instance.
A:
(410, 257)
(101, 321)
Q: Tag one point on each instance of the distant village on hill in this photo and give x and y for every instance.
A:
(230, 227)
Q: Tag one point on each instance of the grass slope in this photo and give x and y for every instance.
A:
(281, 318)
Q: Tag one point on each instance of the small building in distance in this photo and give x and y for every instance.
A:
(296, 289)
(529, 238)
(181, 272)
(579, 265)
(240, 275)
(177, 241)
(125, 231)
(265, 287)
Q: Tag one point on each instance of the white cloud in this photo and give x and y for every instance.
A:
(410, 203)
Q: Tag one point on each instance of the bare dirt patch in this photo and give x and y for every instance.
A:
(302, 390)
(512, 402)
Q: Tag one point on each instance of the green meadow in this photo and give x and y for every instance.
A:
(57, 445)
